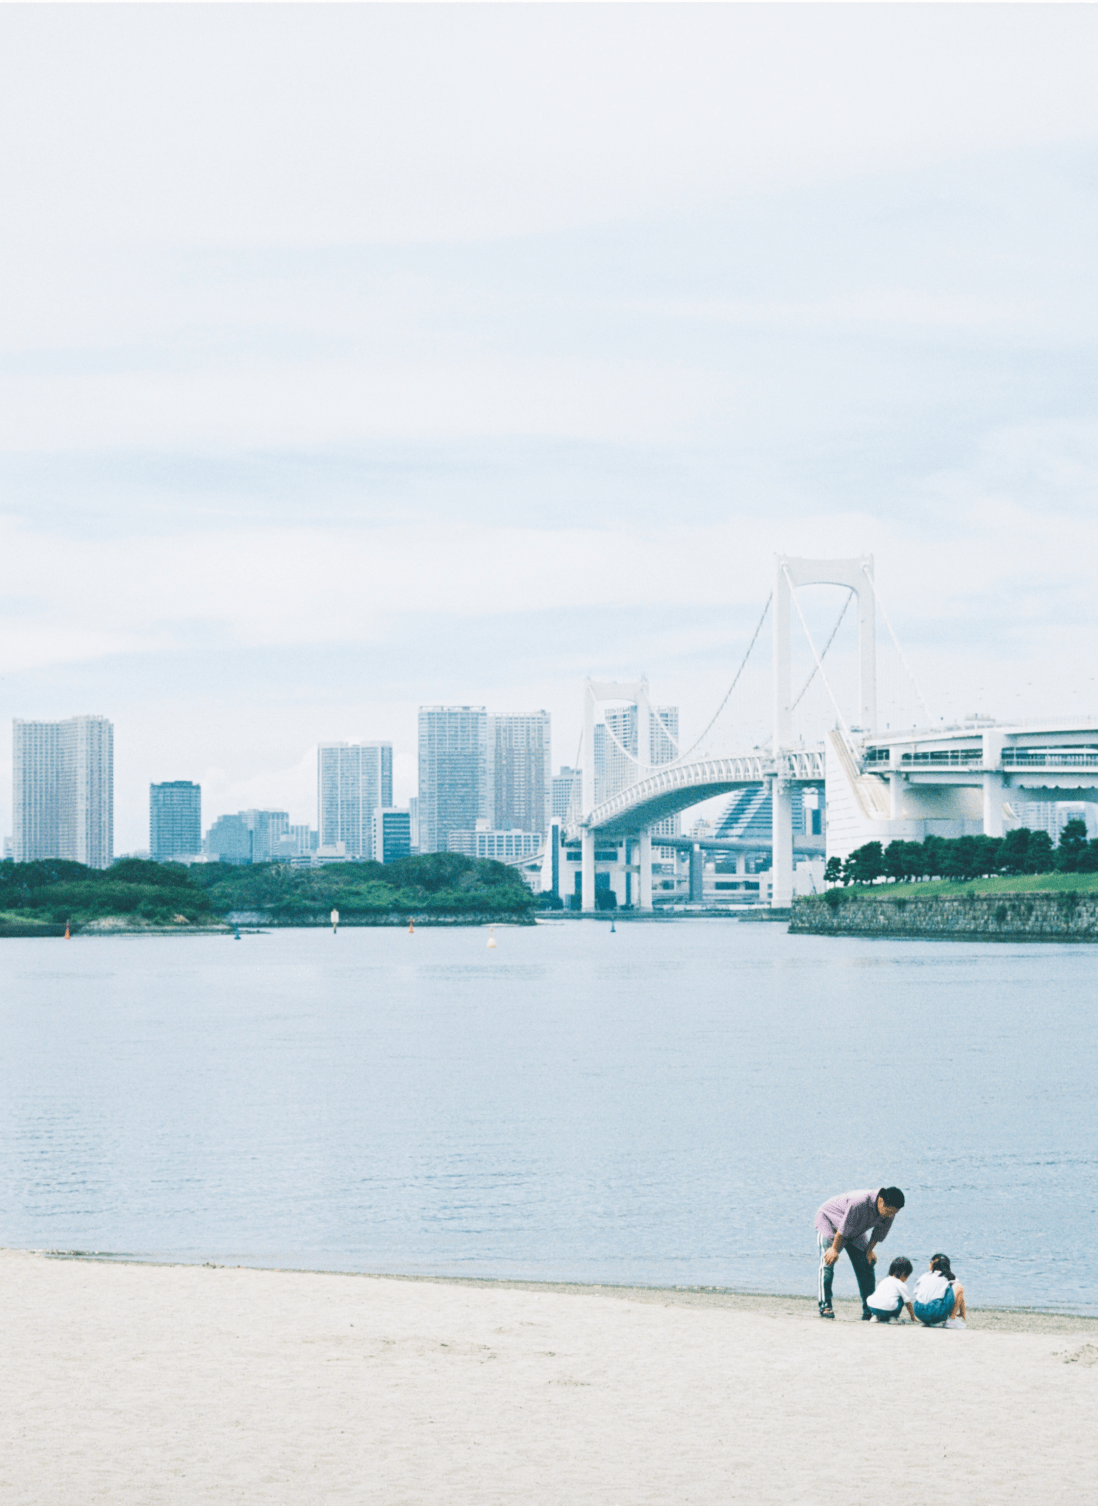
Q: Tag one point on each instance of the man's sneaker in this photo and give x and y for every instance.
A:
(867, 1316)
(874, 1319)
(955, 1323)
(827, 1312)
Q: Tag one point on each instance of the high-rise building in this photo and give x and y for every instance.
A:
(251, 836)
(353, 779)
(453, 772)
(519, 772)
(63, 790)
(266, 828)
(229, 840)
(175, 820)
(392, 835)
(616, 752)
(413, 821)
(567, 793)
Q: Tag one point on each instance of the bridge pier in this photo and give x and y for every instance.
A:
(993, 805)
(644, 857)
(587, 869)
(781, 830)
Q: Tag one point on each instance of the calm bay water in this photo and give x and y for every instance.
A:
(666, 1105)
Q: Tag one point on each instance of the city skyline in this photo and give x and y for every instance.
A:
(558, 406)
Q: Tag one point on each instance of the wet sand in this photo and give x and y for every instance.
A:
(131, 1383)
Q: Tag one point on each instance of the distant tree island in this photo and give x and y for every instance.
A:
(41, 898)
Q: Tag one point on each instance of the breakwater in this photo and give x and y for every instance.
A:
(1062, 916)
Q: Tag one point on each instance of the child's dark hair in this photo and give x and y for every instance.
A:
(901, 1267)
(940, 1263)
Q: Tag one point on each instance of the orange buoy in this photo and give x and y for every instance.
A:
(411, 928)
(68, 934)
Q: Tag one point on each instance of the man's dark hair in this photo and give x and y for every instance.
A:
(893, 1197)
(901, 1267)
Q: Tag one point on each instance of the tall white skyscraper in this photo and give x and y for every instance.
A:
(520, 786)
(63, 790)
(353, 780)
(616, 750)
(614, 768)
(453, 772)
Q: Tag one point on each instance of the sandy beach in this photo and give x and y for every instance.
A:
(145, 1383)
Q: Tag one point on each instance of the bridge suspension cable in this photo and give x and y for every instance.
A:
(633, 757)
(815, 655)
(896, 641)
(827, 645)
(743, 665)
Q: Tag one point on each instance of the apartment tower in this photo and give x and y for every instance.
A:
(175, 820)
(63, 790)
(453, 772)
(353, 780)
(520, 781)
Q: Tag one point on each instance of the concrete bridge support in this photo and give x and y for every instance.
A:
(994, 789)
(781, 830)
(644, 854)
(587, 868)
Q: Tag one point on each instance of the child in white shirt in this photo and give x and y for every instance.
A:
(939, 1297)
(892, 1295)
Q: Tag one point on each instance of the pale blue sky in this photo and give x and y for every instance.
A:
(354, 358)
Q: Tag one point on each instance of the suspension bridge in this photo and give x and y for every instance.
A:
(872, 785)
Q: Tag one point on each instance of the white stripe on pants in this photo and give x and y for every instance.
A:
(824, 1243)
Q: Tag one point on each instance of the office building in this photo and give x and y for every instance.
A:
(495, 844)
(266, 828)
(63, 790)
(519, 772)
(617, 750)
(567, 794)
(229, 840)
(413, 821)
(1053, 815)
(295, 845)
(175, 820)
(353, 779)
(251, 836)
(453, 772)
(392, 835)
(599, 759)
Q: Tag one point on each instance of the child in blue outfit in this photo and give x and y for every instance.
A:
(939, 1298)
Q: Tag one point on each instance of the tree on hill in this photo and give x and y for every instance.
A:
(1073, 844)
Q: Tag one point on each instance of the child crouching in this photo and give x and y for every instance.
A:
(939, 1296)
(892, 1295)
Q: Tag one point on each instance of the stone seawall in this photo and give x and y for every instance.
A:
(1062, 916)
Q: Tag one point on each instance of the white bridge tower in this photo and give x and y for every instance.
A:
(789, 574)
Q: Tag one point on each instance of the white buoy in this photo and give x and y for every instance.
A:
(491, 936)
(335, 921)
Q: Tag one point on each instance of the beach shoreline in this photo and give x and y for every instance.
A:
(790, 1304)
(130, 1383)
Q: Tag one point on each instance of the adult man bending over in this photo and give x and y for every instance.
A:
(856, 1222)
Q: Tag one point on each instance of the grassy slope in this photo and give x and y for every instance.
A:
(1030, 883)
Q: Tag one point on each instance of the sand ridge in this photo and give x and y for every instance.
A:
(140, 1383)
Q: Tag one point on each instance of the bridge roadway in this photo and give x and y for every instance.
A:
(676, 787)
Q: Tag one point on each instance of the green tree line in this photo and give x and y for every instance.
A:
(54, 891)
(964, 858)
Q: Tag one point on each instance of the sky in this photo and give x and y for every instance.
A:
(354, 358)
